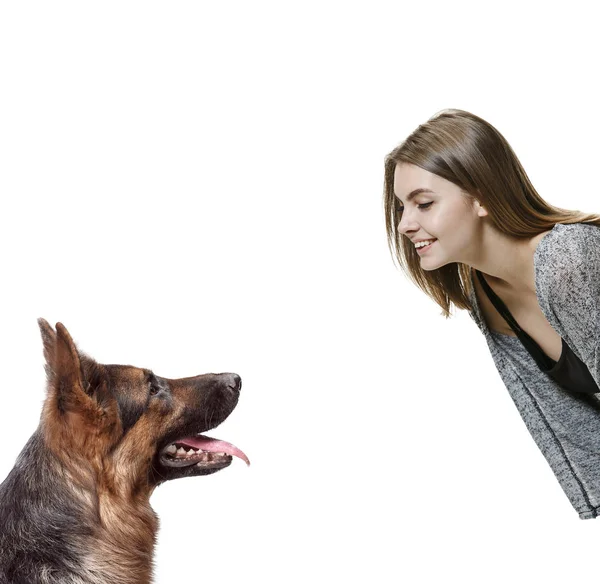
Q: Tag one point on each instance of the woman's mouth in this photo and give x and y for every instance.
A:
(423, 249)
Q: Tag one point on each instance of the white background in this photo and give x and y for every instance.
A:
(197, 186)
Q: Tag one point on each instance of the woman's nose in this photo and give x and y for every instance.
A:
(407, 223)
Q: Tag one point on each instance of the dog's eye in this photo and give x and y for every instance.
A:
(154, 388)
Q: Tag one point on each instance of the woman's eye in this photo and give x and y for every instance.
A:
(425, 205)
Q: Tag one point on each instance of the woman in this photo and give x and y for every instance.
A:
(467, 225)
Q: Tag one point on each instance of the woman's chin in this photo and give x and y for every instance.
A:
(430, 264)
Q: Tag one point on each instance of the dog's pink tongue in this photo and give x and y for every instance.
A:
(213, 445)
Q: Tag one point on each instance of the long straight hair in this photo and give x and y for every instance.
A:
(472, 154)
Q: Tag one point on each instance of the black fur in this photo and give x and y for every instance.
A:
(37, 512)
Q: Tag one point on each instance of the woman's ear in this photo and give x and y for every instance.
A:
(481, 210)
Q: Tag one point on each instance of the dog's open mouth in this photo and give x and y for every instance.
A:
(201, 451)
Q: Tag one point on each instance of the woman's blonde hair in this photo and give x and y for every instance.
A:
(472, 154)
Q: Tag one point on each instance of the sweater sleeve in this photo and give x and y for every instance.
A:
(569, 270)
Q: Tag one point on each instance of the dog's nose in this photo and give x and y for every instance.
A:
(233, 381)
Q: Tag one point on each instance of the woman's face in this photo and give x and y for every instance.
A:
(436, 209)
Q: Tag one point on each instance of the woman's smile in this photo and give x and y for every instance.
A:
(424, 249)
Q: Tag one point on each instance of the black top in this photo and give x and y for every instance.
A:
(570, 372)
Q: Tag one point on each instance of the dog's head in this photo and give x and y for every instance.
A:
(135, 429)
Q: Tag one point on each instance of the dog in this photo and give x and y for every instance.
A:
(75, 508)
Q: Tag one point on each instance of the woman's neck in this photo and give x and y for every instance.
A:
(507, 262)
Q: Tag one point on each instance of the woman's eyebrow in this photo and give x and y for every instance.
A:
(414, 193)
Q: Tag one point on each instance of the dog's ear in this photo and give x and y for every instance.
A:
(49, 342)
(48, 338)
(67, 368)
(70, 390)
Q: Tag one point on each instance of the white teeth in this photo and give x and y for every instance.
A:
(182, 450)
(423, 243)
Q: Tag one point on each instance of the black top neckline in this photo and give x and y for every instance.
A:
(545, 362)
(570, 372)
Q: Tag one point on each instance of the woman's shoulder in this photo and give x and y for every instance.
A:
(568, 256)
(568, 239)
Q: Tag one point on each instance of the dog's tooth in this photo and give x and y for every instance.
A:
(181, 451)
(191, 452)
(172, 449)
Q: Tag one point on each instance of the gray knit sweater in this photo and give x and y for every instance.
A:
(565, 426)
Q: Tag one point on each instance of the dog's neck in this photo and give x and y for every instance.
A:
(124, 538)
(112, 537)
(123, 524)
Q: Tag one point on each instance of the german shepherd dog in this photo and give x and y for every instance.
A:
(75, 508)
